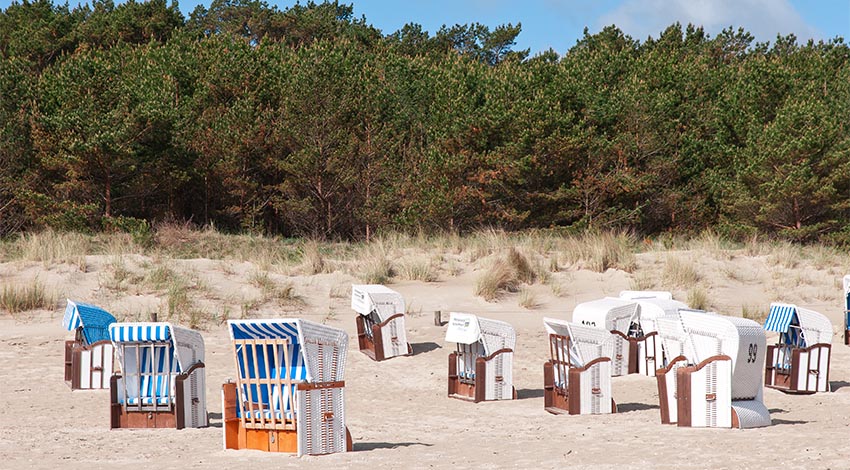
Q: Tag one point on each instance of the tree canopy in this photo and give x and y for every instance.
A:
(310, 121)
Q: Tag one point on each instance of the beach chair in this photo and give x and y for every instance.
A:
(799, 361)
(652, 305)
(678, 352)
(724, 386)
(482, 366)
(621, 318)
(847, 309)
(577, 377)
(289, 394)
(380, 321)
(161, 383)
(89, 357)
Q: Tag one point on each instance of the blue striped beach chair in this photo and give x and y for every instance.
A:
(482, 366)
(89, 357)
(162, 379)
(799, 361)
(380, 321)
(289, 390)
(577, 377)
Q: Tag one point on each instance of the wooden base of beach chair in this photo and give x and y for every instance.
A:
(558, 399)
(237, 436)
(847, 337)
(176, 415)
(88, 367)
(808, 373)
(475, 389)
(373, 346)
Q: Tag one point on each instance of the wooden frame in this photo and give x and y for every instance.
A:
(667, 389)
(171, 415)
(787, 380)
(370, 336)
(474, 389)
(89, 366)
(557, 397)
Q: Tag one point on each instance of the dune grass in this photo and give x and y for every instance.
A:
(17, 298)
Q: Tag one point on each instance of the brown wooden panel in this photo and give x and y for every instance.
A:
(683, 395)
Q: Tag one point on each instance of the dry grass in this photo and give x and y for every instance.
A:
(698, 298)
(23, 298)
(600, 251)
(680, 273)
(312, 260)
(499, 278)
(50, 248)
(417, 270)
(785, 254)
(641, 281)
(527, 299)
(372, 264)
(754, 312)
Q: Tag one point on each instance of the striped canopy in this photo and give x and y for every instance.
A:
(780, 318)
(93, 320)
(140, 332)
(188, 345)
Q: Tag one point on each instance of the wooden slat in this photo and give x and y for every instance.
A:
(250, 400)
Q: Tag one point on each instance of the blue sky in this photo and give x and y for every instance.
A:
(559, 23)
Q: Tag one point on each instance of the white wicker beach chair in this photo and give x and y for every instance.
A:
(621, 318)
(724, 385)
(89, 357)
(162, 379)
(653, 305)
(482, 366)
(380, 321)
(799, 361)
(289, 393)
(577, 377)
(678, 353)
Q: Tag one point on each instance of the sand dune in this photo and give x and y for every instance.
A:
(397, 411)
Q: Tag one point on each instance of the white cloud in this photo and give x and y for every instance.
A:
(764, 19)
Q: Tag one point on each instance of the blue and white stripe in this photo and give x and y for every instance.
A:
(139, 332)
(779, 318)
(270, 396)
(93, 319)
(153, 379)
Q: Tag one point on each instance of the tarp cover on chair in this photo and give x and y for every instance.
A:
(481, 367)
(380, 321)
(162, 378)
(577, 377)
(799, 361)
(289, 389)
(89, 356)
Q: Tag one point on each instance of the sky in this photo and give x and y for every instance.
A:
(558, 24)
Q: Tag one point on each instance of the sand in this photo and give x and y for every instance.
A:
(397, 410)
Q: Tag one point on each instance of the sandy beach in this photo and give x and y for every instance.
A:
(397, 411)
